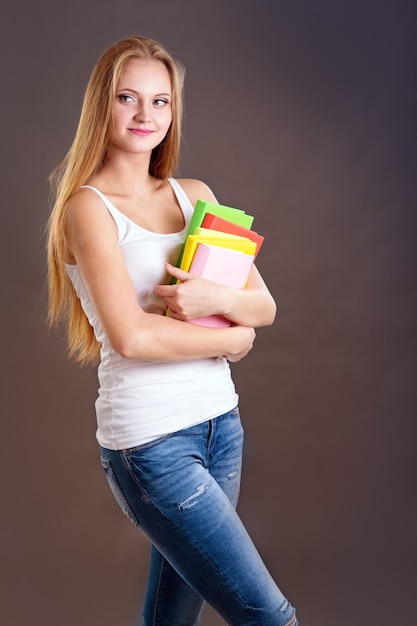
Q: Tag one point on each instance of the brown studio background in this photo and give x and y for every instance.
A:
(304, 114)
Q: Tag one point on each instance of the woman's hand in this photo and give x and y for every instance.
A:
(245, 338)
(193, 297)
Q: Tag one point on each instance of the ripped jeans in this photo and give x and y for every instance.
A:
(181, 491)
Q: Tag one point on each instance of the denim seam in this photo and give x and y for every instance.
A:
(126, 462)
(156, 619)
(126, 508)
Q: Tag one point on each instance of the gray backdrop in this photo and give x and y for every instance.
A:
(303, 114)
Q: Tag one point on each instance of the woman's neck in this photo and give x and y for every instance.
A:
(125, 174)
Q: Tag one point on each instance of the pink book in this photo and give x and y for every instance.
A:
(223, 266)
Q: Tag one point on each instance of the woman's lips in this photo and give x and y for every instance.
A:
(141, 132)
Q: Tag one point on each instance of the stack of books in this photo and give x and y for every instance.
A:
(220, 246)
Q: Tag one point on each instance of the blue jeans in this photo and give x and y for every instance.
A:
(181, 491)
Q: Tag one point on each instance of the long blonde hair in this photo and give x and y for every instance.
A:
(85, 158)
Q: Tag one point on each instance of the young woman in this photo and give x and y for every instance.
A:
(168, 424)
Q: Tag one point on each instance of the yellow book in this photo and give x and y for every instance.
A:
(233, 242)
(200, 231)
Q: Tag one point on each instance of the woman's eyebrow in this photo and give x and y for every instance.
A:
(163, 93)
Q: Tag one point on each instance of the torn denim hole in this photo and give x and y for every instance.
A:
(193, 499)
(293, 621)
(232, 475)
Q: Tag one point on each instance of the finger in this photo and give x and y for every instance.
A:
(173, 313)
(177, 272)
(165, 291)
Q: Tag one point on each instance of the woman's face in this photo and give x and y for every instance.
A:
(142, 112)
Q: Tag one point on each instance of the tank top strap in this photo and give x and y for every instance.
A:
(106, 201)
(183, 200)
(122, 222)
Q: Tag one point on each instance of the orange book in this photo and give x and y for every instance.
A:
(214, 222)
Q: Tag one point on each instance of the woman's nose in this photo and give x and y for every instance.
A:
(143, 112)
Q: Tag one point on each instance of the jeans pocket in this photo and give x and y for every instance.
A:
(117, 491)
(147, 446)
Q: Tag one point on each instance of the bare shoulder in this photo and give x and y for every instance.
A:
(86, 205)
(85, 196)
(87, 215)
(197, 190)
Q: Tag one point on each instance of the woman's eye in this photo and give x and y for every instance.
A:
(160, 102)
(124, 97)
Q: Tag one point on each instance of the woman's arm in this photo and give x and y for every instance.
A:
(92, 243)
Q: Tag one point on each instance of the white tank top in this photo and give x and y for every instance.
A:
(139, 401)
